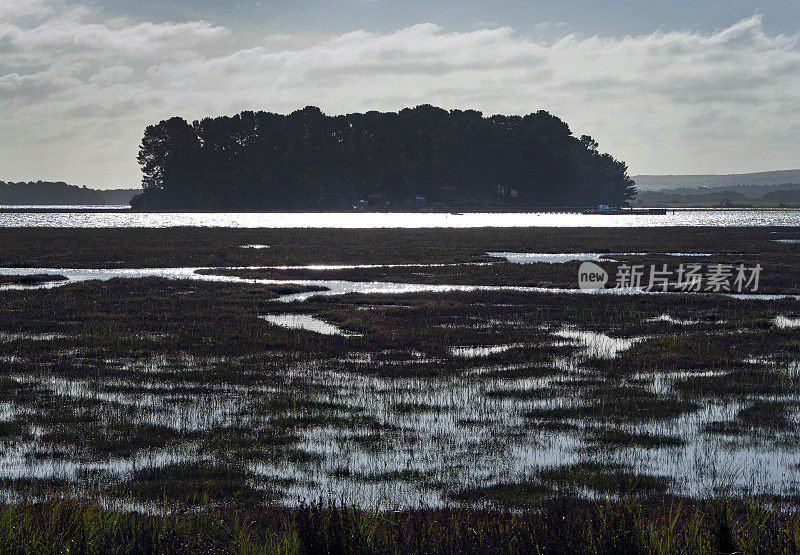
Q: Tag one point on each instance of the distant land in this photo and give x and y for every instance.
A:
(42, 193)
(767, 189)
(657, 182)
(773, 189)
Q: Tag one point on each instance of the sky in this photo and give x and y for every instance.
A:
(670, 87)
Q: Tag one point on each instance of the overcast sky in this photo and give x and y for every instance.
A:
(700, 86)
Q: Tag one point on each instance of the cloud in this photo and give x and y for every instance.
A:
(77, 89)
(16, 9)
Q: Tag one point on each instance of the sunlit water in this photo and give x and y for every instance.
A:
(686, 218)
(561, 257)
(331, 287)
(33, 207)
(305, 322)
(786, 322)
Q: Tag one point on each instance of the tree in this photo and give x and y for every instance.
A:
(261, 160)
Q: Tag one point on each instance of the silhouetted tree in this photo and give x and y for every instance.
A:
(266, 161)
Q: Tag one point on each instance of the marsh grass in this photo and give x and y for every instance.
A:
(146, 366)
(156, 391)
(192, 484)
(718, 525)
(624, 404)
(605, 478)
(209, 247)
(31, 279)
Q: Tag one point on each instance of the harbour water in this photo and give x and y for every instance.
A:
(364, 220)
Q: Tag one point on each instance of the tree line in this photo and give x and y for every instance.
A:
(60, 193)
(307, 160)
(47, 192)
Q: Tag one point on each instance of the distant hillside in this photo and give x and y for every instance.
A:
(656, 182)
(753, 195)
(50, 193)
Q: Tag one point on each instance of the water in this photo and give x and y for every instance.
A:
(561, 257)
(34, 207)
(484, 351)
(550, 258)
(306, 322)
(685, 218)
(332, 287)
(598, 345)
(670, 320)
(786, 322)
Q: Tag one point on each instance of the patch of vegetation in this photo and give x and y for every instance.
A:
(749, 379)
(523, 493)
(605, 478)
(624, 404)
(111, 439)
(250, 444)
(195, 483)
(31, 279)
(770, 416)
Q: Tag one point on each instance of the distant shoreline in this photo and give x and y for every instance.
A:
(532, 210)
